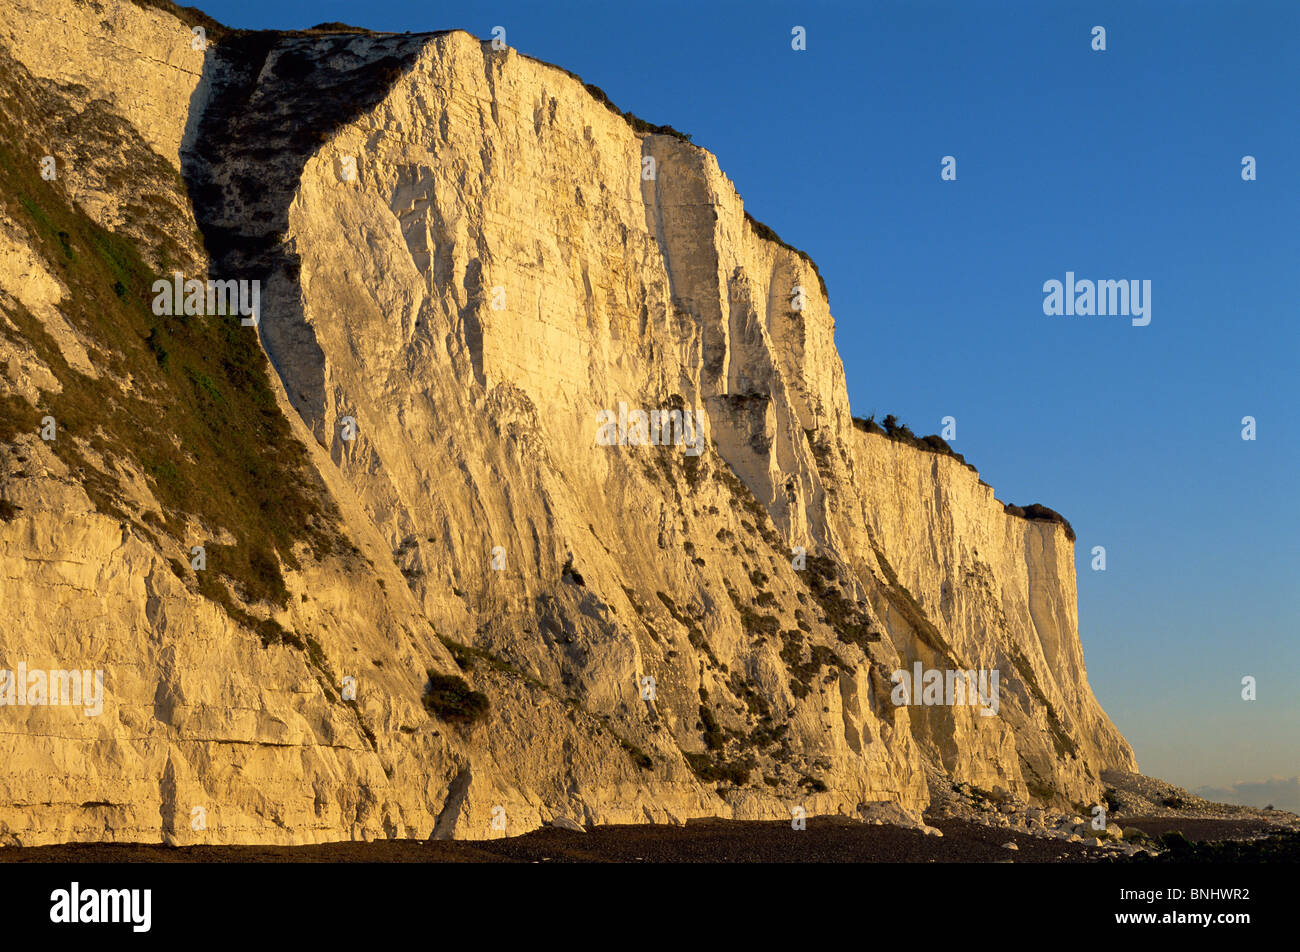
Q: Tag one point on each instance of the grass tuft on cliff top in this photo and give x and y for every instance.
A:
(767, 234)
(900, 432)
(1039, 512)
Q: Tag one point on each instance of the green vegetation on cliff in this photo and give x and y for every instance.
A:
(185, 401)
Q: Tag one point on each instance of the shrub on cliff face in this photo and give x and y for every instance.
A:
(813, 785)
(713, 737)
(705, 768)
(572, 575)
(639, 756)
(450, 699)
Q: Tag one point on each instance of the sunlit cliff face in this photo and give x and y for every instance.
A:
(395, 558)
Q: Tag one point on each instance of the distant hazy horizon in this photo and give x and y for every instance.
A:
(1280, 792)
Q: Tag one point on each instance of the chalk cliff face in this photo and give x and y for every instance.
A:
(465, 256)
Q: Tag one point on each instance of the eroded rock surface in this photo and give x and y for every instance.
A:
(463, 256)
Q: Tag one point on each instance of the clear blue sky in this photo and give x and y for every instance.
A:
(1117, 164)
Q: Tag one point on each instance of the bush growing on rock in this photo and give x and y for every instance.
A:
(450, 699)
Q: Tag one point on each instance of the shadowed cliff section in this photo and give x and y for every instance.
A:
(273, 100)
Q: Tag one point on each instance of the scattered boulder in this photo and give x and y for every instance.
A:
(891, 813)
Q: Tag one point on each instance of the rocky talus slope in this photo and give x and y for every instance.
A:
(464, 257)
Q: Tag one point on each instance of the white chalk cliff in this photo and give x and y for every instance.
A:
(500, 269)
